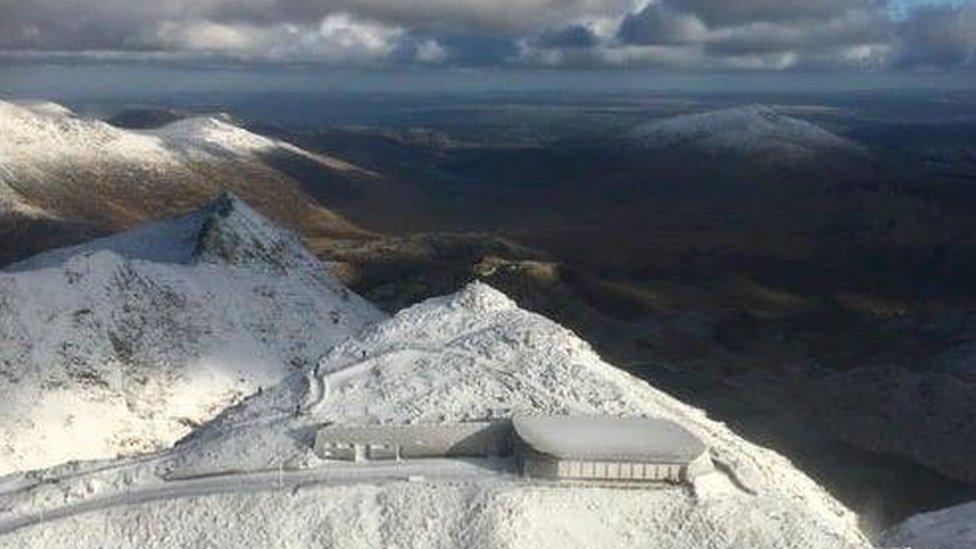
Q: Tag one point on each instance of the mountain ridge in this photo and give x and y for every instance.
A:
(123, 344)
(57, 167)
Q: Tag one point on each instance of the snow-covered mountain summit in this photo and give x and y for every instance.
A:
(35, 135)
(123, 344)
(226, 230)
(751, 130)
(40, 131)
(43, 107)
(467, 356)
(37, 131)
(214, 134)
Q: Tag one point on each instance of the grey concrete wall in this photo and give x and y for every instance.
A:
(475, 439)
(488, 439)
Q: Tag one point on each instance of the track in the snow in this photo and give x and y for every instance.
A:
(232, 482)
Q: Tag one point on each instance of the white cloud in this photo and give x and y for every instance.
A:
(431, 52)
(336, 39)
(206, 36)
(342, 36)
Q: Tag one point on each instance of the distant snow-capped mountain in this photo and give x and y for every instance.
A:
(749, 130)
(59, 167)
(123, 344)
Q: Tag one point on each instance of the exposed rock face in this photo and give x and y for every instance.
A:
(123, 344)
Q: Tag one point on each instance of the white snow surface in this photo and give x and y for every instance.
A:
(752, 129)
(211, 133)
(43, 106)
(123, 344)
(39, 132)
(471, 355)
(51, 157)
(951, 528)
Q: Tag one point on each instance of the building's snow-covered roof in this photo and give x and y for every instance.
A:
(604, 438)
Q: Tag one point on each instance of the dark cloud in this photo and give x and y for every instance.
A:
(481, 16)
(65, 24)
(573, 36)
(704, 34)
(942, 36)
(351, 32)
(740, 12)
(851, 30)
(660, 24)
(766, 33)
(478, 50)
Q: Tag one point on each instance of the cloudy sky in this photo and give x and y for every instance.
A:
(675, 34)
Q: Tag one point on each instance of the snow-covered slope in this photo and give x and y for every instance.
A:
(123, 344)
(471, 355)
(36, 135)
(41, 131)
(749, 130)
(55, 165)
(952, 528)
(44, 107)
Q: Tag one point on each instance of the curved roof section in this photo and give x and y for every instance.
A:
(607, 438)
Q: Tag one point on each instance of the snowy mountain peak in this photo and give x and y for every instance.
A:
(475, 355)
(41, 106)
(37, 131)
(480, 297)
(752, 130)
(227, 202)
(215, 133)
(123, 344)
(232, 232)
(225, 231)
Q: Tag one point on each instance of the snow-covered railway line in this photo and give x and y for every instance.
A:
(218, 482)
(22, 483)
